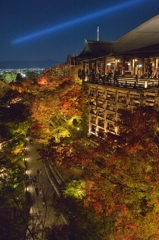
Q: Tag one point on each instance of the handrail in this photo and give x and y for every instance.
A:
(126, 83)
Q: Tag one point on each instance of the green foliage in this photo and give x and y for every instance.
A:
(15, 135)
(74, 74)
(63, 117)
(60, 132)
(121, 175)
(31, 74)
(124, 175)
(4, 87)
(11, 185)
(19, 129)
(75, 189)
(9, 77)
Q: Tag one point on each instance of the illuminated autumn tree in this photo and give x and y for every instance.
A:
(14, 123)
(124, 176)
(4, 87)
(57, 109)
(121, 175)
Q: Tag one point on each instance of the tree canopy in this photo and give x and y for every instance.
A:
(120, 175)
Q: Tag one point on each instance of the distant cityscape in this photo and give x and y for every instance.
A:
(22, 71)
(12, 75)
(16, 70)
(28, 64)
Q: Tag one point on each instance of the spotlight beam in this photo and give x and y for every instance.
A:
(75, 21)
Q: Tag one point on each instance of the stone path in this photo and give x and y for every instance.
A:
(42, 193)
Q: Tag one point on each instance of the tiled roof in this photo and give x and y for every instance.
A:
(143, 40)
(144, 35)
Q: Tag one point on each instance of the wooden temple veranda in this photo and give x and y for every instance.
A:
(123, 74)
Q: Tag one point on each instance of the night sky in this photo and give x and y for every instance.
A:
(52, 29)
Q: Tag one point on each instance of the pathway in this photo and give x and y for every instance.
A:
(42, 194)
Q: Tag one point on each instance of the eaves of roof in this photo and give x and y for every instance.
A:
(96, 49)
(142, 41)
(145, 35)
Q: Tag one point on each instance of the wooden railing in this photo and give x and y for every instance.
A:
(123, 82)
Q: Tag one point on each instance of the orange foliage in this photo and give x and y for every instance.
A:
(124, 177)
(42, 81)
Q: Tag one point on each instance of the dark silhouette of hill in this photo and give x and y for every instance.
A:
(28, 64)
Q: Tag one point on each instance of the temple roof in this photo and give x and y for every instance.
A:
(143, 40)
(95, 49)
(145, 35)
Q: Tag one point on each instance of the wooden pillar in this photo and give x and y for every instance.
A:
(116, 64)
(97, 66)
(157, 101)
(83, 66)
(105, 111)
(156, 63)
(129, 67)
(123, 68)
(116, 111)
(142, 68)
(83, 71)
(128, 98)
(133, 67)
(156, 68)
(105, 66)
(90, 65)
(141, 99)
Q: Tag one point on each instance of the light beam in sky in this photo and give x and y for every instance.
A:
(75, 21)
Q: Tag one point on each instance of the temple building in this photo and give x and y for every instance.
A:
(120, 74)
